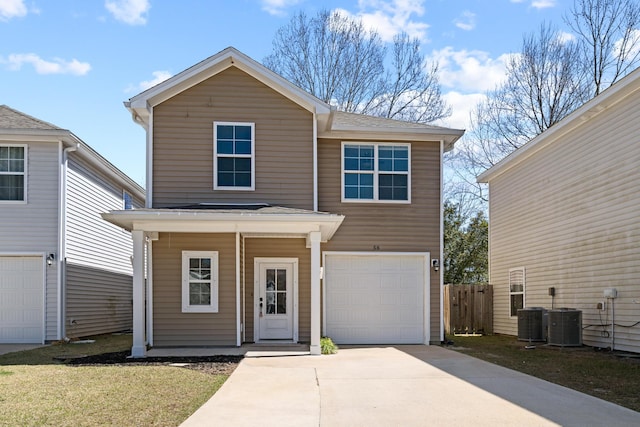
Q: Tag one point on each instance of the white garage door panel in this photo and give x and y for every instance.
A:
(21, 299)
(375, 299)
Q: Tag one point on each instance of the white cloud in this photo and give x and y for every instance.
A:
(543, 4)
(391, 17)
(132, 12)
(158, 77)
(466, 21)
(565, 37)
(12, 9)
(56, 66)
(277, 7)
(461, 106)
(469, 71)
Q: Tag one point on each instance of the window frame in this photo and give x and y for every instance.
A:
(376, 172)
(125, 195)
(512, 293)
(212, 307)
(24, 174)
(252, 156)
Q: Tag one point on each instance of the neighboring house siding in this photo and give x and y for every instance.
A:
(33, 227)
(388, 227)
(91, 241)
(569, 215)
(279, 248)
(183, 144)
(171, 326)
(98, 301)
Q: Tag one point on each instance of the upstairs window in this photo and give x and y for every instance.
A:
(13, 165)
(376, 172)
(127, 200)
(516, 290)
(233, 156)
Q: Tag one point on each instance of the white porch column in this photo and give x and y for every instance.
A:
(138, 349)
(314, 239)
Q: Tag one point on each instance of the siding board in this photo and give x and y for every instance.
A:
(411, 227)
(171, 327)
(183, 144)
(569, 214)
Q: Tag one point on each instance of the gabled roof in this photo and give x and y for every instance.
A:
(331, 123)
(628, 86)
(16, 126)
(14, 119)
(229, 57)
(352, 125)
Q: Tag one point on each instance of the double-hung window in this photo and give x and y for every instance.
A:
(376, 172)
(516, 290)
(199, 282)
(234, 156)
(13, 166)
(127, 200)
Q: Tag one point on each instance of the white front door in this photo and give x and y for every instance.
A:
(276, 295)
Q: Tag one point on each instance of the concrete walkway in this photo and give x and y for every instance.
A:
(11, 348)
(397, 386)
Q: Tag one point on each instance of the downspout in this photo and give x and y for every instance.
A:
(238, 317)
(149, 183)
(441, 256)
(63, 157)
(315, 162)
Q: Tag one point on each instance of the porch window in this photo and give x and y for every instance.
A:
(199, 282)
(516, 290)
(376, 172)
(233, 156)
(13, 161)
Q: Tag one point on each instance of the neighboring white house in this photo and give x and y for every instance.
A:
(565, 214)
(63, 270)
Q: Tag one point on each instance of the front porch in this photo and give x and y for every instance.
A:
(240, 303)
(246, 350)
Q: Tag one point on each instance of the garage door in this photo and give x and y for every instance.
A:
(375, 299)
(21, 299)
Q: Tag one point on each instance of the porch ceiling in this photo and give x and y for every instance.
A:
(270, 220)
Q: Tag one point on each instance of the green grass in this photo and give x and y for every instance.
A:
(37, 389)
(609, 376)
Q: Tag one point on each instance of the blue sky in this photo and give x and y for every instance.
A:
(74, 62)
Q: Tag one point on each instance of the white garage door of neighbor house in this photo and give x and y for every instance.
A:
(21, 299)
(375, 299)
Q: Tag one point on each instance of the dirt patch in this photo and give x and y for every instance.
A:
(213, 365)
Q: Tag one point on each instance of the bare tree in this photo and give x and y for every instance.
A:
(335, 58)
(609, 37)
(544, 84)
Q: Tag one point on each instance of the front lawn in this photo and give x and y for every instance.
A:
(37, 388)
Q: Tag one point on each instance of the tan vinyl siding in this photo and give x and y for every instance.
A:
(183, 144)
(171, 327)
(280, 248)
(98, 301)
(92, 241)
(569, 215)
(388, 227)
(32, 227)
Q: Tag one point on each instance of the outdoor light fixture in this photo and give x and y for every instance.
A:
(435, 263)
(50, 258)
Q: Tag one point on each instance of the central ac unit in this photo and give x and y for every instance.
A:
(565, 327)
(532, 325)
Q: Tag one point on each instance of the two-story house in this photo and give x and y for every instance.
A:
(271, 216)
(63, 270)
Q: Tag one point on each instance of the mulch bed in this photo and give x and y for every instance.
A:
(214, 365)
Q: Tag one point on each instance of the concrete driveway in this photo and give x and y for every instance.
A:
(397, 386)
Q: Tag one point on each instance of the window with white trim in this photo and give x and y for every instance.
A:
(516, 290)
(376, 172)
(233, 156)
(13, 166)
(199, 282)
(127, 200)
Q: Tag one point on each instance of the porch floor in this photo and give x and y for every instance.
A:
(246, 350)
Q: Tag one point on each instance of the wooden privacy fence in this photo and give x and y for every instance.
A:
(468, 309)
